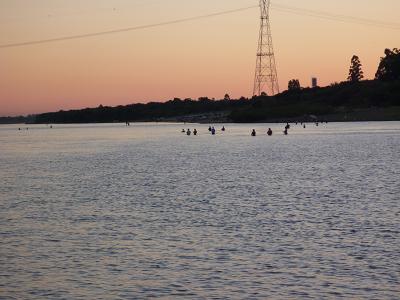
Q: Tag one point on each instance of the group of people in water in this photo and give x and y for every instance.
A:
(188, 132)
(254, 133)
(212, 130)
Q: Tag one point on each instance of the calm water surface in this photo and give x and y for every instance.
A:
(145, 212)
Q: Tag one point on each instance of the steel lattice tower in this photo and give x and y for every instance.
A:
(266, 78)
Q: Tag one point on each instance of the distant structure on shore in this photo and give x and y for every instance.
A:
(266, 78)
(314, 82)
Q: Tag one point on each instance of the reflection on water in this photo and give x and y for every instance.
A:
(115, 212)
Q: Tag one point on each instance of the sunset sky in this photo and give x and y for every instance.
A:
(206, 57)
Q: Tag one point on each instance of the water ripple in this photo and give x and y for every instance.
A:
(108, 212)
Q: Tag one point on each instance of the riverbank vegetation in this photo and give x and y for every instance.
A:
(351, 100)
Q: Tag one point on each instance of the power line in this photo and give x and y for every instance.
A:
(87, 35)
(335, 17)
(278, 7)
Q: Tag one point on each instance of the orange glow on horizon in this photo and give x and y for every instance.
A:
(208, 57)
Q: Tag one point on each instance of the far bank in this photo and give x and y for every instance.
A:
(372, 100)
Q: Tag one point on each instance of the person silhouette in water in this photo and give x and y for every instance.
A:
(269, 132)
(253, 132)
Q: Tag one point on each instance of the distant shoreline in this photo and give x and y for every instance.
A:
(362, 115)
(370, 100)
(365, 115)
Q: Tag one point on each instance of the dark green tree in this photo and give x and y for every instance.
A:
(355, 72)
(294, 85)
(389, 67)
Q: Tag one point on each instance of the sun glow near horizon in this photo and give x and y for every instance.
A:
(206, 57)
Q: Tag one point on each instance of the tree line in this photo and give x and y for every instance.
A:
(363, 99)
(388, 69)
(352, 94)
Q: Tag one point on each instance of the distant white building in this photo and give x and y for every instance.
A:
(314, 82)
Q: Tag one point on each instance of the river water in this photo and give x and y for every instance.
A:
(146, 212)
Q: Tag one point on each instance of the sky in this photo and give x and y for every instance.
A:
(205, 57)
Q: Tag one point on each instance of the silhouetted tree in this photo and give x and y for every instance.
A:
(355, 72)
(263, 94)
(227, 97)
(389, 67)
(294, 85)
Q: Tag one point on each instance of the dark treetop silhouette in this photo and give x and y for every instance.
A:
(355, 99)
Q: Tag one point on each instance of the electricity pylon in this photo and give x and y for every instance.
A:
(266, 78)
